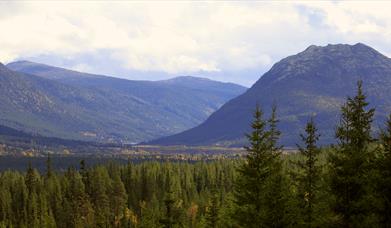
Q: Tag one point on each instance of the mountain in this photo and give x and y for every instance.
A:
(57, 102)
(314, 82)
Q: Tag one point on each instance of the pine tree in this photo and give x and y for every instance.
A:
(309, 176)
(350, 162)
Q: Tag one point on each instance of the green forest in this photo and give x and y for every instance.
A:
(344, 185)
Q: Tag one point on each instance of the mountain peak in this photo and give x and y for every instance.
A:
(187, 78)
(332, 57)
(46, 71)
(315, 81)
(341, 49)
(24, 63)
(200, 83)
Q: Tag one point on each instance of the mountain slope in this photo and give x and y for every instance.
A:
(314, 82)
(76, 105)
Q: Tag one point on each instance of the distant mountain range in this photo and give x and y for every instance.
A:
(314, 82)
(49, 101)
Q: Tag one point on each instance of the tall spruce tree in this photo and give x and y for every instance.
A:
(350, 163)
(276, 191)
(259, 196)
(309, 177)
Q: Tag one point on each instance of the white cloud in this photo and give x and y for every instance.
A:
(188, 37)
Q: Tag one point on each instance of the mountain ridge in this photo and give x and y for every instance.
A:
(315, 81)
(102, 108)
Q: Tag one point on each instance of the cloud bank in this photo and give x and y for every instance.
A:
(229, 41)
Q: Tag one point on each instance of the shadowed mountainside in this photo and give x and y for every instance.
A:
(73, 105)
(314, 82)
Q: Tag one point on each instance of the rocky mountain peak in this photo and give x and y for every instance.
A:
(358, 58)
(315, 81)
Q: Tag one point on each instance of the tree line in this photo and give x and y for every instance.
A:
(344, 185)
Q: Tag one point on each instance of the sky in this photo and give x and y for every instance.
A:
(226, 41)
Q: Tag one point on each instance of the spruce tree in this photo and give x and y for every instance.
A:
(252, 174)
(31, 179)
(83, 172)
(100, 185)
(118, 199)
(350, 162)
(259, 190)
(173, 214)
(309, 176)
(79, 211)
(276, 193)
(49, 169)
(274, 132)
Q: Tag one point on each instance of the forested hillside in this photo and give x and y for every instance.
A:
(347, 185)
(56, 102)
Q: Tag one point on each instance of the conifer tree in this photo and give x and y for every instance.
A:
(173, 214)
(168, 221)
(79, 211)
(212, 212)
(259, 192)
(49, 169)
(276, 192)
(274, 132)
(350, 162)
(31, 179)
(151, 213)
(99, 194)
(118, 200)
(33, 210)
(54, 196)
(309, 176)
(83, 172)
(252, 174)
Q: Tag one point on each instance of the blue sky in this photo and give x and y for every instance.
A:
(226, 41)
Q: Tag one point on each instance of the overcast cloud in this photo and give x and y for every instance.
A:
(228, 41)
